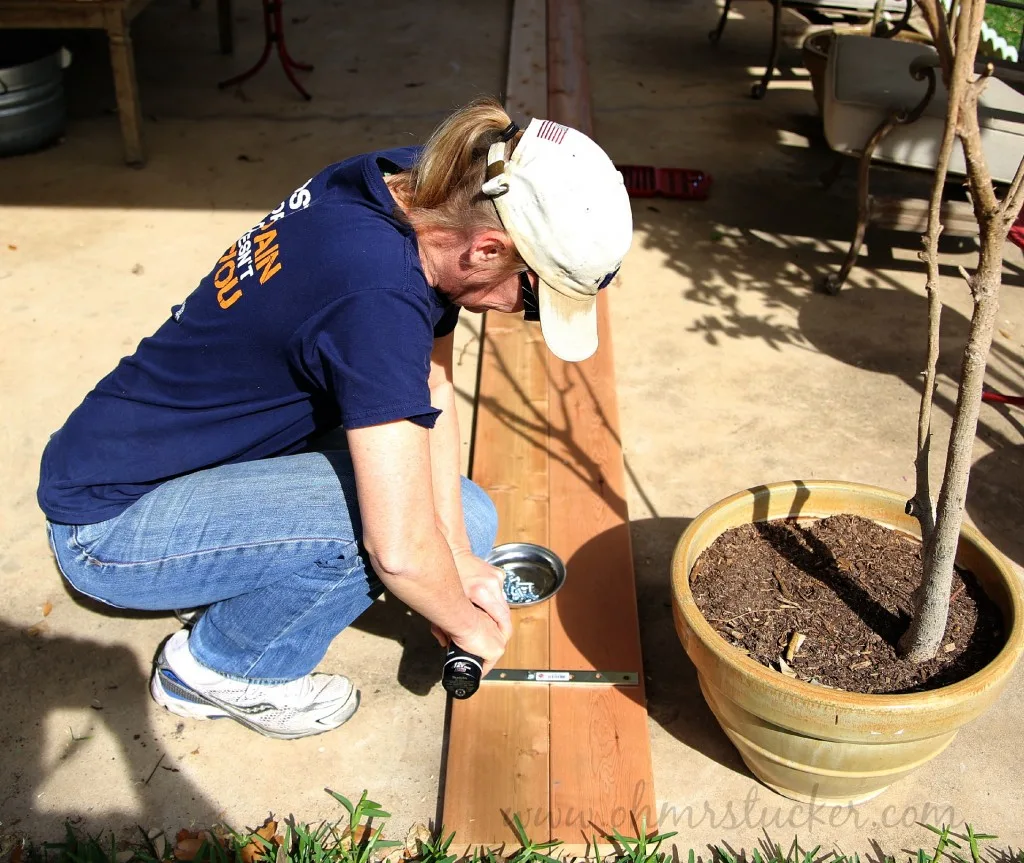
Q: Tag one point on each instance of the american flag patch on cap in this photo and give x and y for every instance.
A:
(551, 131)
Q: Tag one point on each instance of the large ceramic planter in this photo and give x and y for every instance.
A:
(809, 742)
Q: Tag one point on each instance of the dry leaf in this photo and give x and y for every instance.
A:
(785, 669)
(36, 630)
(859, 665)
(187, 845)
(362, 832)
(795, 642)
(254, 850)
(16, 853)
(418, 834)
(47, 608)
(949, 648)
(268, 830)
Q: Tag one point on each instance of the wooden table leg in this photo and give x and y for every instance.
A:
(129, 110)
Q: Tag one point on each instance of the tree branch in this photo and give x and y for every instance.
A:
(920, 505)
(1014, 200)
(935, 18)
(983, 196)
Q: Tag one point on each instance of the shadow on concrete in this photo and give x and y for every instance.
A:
(995, 498)
(419, 669)
(95, 688)
(875, 324)
(674, 699)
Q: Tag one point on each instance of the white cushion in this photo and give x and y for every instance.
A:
(867, 77)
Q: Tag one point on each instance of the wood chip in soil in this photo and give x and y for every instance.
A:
(846, 584)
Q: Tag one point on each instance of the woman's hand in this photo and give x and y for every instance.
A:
(485, 586)
(482, 639)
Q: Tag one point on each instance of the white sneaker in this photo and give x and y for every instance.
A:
(189, 616)
(310, 705)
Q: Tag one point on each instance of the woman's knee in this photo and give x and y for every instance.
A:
(481, 517)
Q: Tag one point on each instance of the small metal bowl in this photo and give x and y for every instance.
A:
(532, 563)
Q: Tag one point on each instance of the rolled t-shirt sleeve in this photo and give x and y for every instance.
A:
(371, 350)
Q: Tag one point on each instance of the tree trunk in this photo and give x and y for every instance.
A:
(922, 640)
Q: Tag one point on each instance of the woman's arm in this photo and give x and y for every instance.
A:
(445, 443)
(401, 535)
(483, 583)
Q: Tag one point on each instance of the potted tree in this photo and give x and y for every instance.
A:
(812, 742)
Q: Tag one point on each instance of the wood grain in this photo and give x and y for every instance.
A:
(498, 747)
(527, 87)
(601, 773)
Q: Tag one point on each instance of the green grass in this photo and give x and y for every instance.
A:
(359, 841)
(1008, 23)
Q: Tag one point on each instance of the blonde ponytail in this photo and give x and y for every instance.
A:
(442, 190)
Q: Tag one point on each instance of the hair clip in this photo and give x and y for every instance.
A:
(509, 132)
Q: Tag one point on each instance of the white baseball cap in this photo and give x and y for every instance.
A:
(565, 206)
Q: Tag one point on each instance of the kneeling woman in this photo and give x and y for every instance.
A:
(197, 473)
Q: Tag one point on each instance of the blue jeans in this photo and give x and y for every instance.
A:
(272, 546)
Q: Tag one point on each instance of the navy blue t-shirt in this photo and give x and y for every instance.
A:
(318, 317)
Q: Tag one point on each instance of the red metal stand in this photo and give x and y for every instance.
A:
(998, 398)
(273, 31)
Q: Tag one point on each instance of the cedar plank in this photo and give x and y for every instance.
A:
(498, 739)
(600, 747)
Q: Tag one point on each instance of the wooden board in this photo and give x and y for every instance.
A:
(601, 773)
(527, 86)
(498, 740)
(571, 762)
(600, 747)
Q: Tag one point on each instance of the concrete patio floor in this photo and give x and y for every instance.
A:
(731, 370)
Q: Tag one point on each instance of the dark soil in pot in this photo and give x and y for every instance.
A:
(838, 590)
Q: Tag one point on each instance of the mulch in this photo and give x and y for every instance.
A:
(845, 584)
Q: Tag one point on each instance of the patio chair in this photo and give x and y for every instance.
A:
(821, 12)
(884, 102)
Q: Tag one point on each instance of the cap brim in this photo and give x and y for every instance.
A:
(569, 326)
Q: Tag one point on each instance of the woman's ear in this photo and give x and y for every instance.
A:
(489, 246)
